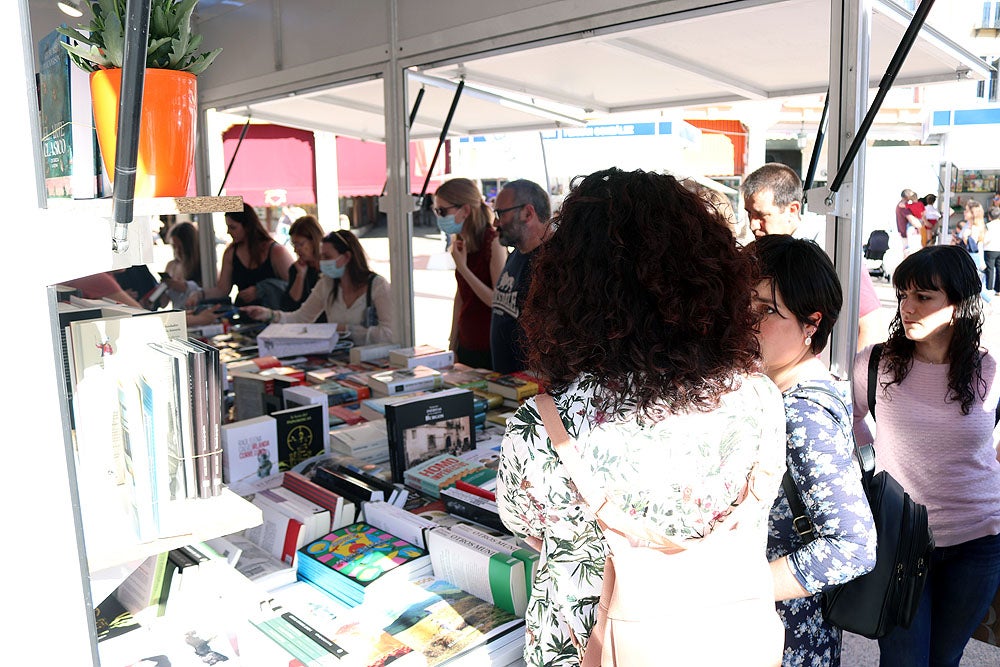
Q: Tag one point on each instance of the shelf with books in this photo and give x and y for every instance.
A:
(203, 519)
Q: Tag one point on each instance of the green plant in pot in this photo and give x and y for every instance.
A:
(170, 98)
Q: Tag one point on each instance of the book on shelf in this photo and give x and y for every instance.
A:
(428, 425)
(112, 619)
(345, 415)
(361, 353)
(473, 507)
(184, 447)
(486, 571)
(403, 380)
(315, 636)
(507, 544)
(249, 454)
(516, 386)
(257, 394)
(254, 562)
(353, 489)
(373, 408)
(421, 355)
(398, 521)
(357, 559)
(333, 502)
(316, 519)
(286, 340)
(300, 434)
(447, 625)
(201, 390)
(336, 392)
(280, 533)
(368, 441)
(465, 377)
(216, 382)
(443, 471)
(144, 588)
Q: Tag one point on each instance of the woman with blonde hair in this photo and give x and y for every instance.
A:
(465, 217)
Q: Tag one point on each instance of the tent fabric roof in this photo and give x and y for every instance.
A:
(271, 157)
(623, 69)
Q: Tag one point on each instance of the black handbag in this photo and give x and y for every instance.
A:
(888, 596)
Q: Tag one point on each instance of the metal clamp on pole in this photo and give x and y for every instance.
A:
(824, 201)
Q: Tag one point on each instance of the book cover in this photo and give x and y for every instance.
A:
(440, 620)
(348, 414)
(286, 340)
(350, 560)
(280, 533)
(305, 395)
(515, 386)
(398, 521)
(56, 115)
(353, 489)
(486, 571)
(214, 376)
(314, 517)
(506, 544)
(255, 562)
(336, 392)
(184, 446)
(198, 376)
(429, 425)
(443, 471)
(300, 434)
(465, 377)
(249, 453)
(257, 394)
(113, 619)
(403, 380)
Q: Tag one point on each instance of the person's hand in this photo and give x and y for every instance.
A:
(458, 251)
(207, 316)
(259, 313)
(247, 294)
(193, 299)
(175, 285)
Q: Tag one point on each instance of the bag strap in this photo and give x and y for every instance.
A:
(873, 377)
(368, 297)
(610, 516)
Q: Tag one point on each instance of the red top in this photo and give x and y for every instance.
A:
(474, 316)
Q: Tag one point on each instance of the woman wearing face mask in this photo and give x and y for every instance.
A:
(479, 258)
(343, 294)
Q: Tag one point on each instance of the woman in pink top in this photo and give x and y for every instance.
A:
(936, 407)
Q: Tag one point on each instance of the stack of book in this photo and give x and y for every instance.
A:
(353, 561)
(421, 355)
(367, 441)
(403, 380)
(429, 425)
(444, 471)
(514, 387)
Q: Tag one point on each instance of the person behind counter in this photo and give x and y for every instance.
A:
(351, 294)
(307, 240)
(182, 273)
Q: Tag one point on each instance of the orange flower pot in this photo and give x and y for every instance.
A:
(166, 133)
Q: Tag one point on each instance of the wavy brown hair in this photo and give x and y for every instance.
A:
(642, 289)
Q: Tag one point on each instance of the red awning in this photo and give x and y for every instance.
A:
(735, 132)
(271, 157)
(361, 167)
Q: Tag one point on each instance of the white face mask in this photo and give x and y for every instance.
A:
(329, 267)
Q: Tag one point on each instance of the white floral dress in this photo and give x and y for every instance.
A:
(681, 473)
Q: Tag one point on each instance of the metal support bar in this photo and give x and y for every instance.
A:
(129, 118)
(817, 147)
(444, 135)
(909, 37)
(413, 116)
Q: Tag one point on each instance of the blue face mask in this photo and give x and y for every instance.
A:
(448, 225)
(330, 268)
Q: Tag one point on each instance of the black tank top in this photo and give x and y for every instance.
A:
(244, 277)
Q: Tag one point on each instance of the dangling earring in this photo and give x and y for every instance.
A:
(808, 341)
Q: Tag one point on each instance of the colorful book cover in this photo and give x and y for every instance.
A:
(517, 386)
(56, 115)
(428, 426)
(360, 553)
(443, 471)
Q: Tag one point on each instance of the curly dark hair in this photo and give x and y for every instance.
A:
(642, 289)
(952, 270)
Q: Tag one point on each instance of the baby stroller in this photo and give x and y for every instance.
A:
(874, 250)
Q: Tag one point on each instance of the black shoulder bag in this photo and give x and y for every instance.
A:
(370, 318)
(888, 596)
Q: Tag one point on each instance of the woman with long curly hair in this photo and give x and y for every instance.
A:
(640, 324)
(465, 217)
(935, 412)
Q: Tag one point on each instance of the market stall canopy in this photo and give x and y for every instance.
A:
(713, 57)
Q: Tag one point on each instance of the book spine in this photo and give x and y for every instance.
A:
(472, 507)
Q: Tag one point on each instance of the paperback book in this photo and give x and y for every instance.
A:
(351, 561)
(403, 380)
(444, 471)
(421, 355)
(516, 386)
(249, 453)
(301, 433)
(427, 426)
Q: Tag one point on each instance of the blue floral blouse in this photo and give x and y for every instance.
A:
(822, 464)
(680, 474)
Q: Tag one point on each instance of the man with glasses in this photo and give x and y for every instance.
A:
(522, 212)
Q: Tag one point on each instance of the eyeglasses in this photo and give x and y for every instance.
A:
(443, 211)
(498, 212)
